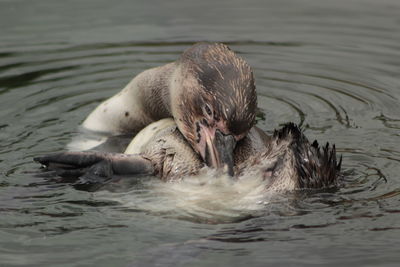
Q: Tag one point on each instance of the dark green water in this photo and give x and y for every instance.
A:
(331, 66)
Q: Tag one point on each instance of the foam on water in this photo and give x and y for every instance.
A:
(208, 196)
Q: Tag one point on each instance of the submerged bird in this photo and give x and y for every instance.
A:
(209, 92)
(286, 160)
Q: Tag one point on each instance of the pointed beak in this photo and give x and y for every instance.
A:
(218, 151)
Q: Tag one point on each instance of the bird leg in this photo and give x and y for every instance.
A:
(91, 170)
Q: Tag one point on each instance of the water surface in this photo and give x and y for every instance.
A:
(332, 67)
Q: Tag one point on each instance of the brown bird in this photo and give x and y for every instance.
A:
(209, 91)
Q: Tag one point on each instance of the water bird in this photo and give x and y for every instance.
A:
(285, 160)
(209, 92)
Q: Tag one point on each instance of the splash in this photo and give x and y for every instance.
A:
(207, 197)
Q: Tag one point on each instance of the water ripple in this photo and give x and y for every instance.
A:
(332, 67)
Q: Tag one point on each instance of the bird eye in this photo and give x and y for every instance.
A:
(208, 110)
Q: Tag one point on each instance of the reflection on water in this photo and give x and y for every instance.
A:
(330, 66)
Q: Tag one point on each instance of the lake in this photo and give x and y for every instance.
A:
(333, 67)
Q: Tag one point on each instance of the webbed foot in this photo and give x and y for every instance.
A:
(89, 171)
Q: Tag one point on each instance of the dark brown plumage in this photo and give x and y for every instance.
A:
(316, 167)
(224, 83)
(228, 84)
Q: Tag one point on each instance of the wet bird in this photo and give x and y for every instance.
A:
(209, 92)
(286, 160)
